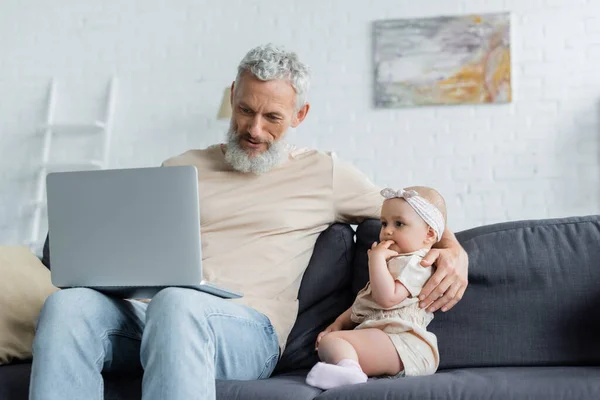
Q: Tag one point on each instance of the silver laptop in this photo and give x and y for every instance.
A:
(127, 232)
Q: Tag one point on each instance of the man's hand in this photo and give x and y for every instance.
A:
(447, 285)
(336, 326)
(382, 250)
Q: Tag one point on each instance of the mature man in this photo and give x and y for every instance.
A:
(263, 205)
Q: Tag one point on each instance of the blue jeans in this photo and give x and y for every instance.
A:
(183, 340)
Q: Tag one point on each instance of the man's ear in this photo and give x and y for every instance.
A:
(231, 94)
(431, 237)
(299, 117)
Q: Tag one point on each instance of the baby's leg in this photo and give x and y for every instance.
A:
(342, 351)
(372, 348)
(334, 348)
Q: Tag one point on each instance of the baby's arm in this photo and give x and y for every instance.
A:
(386, 290)
(343, 322)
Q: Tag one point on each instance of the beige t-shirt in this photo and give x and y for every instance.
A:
(259, 231)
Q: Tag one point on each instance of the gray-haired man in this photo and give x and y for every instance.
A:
(258, 233)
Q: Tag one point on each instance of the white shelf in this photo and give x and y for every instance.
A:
(75, 128)
(101, 128)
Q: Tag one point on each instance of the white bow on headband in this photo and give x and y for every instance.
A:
(430, 213)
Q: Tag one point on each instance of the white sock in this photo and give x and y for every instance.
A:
(327, 376)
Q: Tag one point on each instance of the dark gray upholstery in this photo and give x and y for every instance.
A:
(14, 385)
(531, 383)
(530, 320)
(288, 386)
(534, 297)
(279, 387)
(14, 381)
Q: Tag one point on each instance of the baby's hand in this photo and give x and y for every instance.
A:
(331, 328)
(382, 250)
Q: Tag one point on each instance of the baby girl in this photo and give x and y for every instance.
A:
(384, 333)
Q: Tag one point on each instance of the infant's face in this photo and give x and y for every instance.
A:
(401, 223)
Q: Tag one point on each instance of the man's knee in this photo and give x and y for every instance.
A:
(71, 304)
(65, 314)
(179, 304)
(175, 319)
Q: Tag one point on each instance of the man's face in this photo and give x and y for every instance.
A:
(262, 113)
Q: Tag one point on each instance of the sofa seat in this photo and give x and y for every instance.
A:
(14, 385)
(499, 383)
(465, 384)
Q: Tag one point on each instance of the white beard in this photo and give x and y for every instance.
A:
(259, 164)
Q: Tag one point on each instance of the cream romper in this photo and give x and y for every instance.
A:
(405, 323)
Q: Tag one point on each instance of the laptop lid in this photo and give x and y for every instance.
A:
(125, 227)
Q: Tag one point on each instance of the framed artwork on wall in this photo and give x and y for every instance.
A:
(442, 60)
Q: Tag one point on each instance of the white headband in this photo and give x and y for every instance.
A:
(430, 213)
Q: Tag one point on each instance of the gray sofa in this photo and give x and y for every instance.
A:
(528, 327)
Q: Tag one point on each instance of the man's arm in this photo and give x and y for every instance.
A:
(447, 285)
(355, 197)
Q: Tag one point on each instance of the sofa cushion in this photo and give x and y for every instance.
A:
(324, 294)
(279, 387)
(24, 286)
(14, 381)
(533, 295)
(14, 385)
(534, 383)
(287, 386)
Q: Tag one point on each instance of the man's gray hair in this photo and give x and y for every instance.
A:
(270, 62)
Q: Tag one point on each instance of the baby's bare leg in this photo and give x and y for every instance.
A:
(372, 348)
(339, 364)
(333, 349)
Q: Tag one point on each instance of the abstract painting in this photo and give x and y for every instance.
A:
(443, 60)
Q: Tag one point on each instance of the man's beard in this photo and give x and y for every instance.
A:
(257, 164)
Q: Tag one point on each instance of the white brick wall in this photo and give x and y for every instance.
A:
(537, 157)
